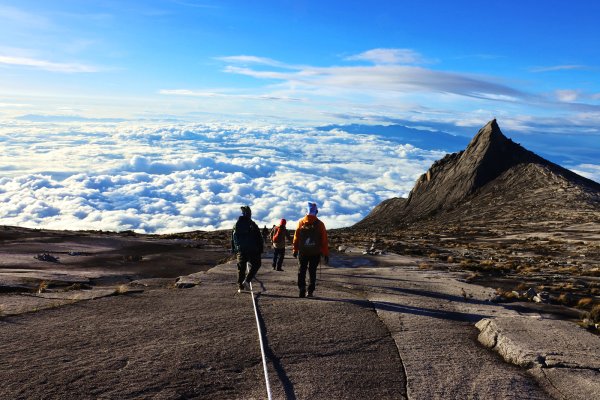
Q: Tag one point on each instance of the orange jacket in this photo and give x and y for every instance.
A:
(324, 241)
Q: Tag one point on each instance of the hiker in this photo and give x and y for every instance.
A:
(278, 236)
(265, 234)
(247, 243)
(310, 243)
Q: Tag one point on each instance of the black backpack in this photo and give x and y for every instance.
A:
(309, 239)
(245, 234)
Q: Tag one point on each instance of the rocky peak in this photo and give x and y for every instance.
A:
(490, 153)
(491, 162)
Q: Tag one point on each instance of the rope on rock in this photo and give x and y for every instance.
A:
(262, 345)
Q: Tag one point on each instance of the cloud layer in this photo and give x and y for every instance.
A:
(159, 177)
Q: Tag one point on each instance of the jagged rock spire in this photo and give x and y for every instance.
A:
(458, 177)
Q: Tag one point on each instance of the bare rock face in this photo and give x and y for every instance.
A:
(492, 170)
(558, 352)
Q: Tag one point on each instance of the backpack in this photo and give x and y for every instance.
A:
(309, 239)
(245, 233)
(278, 234)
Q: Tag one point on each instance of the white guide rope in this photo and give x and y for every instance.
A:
(262, 346)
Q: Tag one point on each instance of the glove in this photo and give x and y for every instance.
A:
(295, 254)
(326, 260)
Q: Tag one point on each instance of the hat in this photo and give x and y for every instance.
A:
(282, 222)
(312, 208)
(246, 211)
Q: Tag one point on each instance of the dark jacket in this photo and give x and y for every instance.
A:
(246, 237)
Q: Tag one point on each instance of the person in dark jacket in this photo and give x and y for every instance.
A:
(279, 235)
(247, 243)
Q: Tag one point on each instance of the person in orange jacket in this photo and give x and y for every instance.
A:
(309, 244)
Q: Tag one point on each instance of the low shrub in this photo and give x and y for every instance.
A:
(585, 302)
(121, 289)
(595, 313)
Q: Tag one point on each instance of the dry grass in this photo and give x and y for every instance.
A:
(43, 285)
(568, 270)
(592, 272)
(472, 276)
(595, 313)
(528, 269)
(121, 289)
(585, 302)
(565, 299)
(506, 294)
(522, 286)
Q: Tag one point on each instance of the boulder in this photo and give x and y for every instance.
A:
(187, 281)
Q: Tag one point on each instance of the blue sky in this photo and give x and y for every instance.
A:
(460, 62)
(166, 115)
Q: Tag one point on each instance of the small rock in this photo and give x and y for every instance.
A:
(341, 249)
(185, 282)
(46, 257)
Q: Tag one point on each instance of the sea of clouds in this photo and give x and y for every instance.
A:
(161, 177)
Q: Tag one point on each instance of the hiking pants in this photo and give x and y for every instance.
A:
(311, 263)
(278, 255)
(242, 260)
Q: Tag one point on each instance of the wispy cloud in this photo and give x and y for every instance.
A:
(194, 4)
(202, 93)
(46, 65)
(244, 59)
(567, 95)
(24, 18)
(381, 78)
(568, 67)
(390, 56)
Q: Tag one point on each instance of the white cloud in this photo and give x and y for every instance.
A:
(568, 67)
(212, 94)
(242, 59)
(383, 78)
(46, 65)
(390, 56)
(23, 18)
(567, 95)
(590, 171)
(161, 177)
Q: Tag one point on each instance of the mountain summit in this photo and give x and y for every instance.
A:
(493, 170)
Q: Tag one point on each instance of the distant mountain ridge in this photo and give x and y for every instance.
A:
(421, 138)
(491, 173)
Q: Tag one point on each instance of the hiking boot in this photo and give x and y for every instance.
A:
(279, 269)
(302, 294)
(309, 294)
(240, 287)
(246, 286)
(274, 266)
